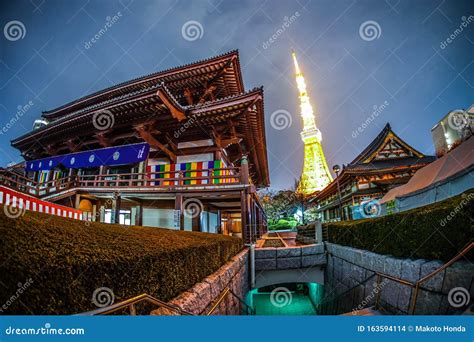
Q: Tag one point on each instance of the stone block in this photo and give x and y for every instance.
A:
(329, 247)
(428, 303)
(288, 252)
(357, 259)
(377, 262)
(190, 302)
(203, 292)
(226, 273)
(265, 253)
(216, 285)
(460, 274)
(346, 274)
(436, 282)
(357, 273)
(337, 268)
(404, 298)
(411, 270)
(393, 267)
(288, 263)
(265, 264)
(313, 260)
(366, 258)
(389, 292)
(337, 250)
(312, 249)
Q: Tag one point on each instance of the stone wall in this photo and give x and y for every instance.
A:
(289, 258)
(348, 267)
(201, 297)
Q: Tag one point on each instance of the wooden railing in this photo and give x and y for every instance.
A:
(167, 179)
(130, 306)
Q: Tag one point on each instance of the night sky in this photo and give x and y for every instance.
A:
(401, 63)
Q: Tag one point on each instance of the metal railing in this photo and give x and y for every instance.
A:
(131, 303)
(416, 285)
(223, 295)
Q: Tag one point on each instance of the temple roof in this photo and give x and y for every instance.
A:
(386, 153)
(223, 71)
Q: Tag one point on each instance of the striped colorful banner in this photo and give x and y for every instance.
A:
(17, 199)
(191, 170)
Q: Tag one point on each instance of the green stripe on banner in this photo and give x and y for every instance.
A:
(187, 174)
(217, 165)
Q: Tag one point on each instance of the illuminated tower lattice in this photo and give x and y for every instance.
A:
(315, 175)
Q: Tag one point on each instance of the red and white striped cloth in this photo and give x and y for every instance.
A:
(17, 199)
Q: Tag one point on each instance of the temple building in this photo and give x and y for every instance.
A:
(315, 174)
(387, 162)
(183, 148)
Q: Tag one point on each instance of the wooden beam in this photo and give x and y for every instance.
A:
(103, 140)
(145, 134)
(189, 96)
(176, 112)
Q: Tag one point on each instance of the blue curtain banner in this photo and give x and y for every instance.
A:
(117, 155)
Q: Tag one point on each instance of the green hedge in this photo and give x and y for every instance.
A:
(424, 232)
(67, 260)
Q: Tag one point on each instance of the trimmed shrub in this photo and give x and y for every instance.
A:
(67, 260)
(436, 231)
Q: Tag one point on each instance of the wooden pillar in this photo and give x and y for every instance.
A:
(244, 215)
(178, 212)
(196, 218)
(244, 170)
(78, 201)
(117, 205)
(139, 217)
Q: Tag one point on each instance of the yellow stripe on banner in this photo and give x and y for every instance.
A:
(167, 175)
(194, 173)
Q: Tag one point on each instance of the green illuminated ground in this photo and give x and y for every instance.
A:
(300, 300)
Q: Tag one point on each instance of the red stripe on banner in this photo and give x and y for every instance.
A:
(199, 173)
(173, 174)
(18, 199)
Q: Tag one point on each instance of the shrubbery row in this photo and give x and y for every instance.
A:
(67, 260)
(436, 231)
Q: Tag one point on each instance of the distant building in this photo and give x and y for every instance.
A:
(454, 128)
(387, 162)
(450, 175)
